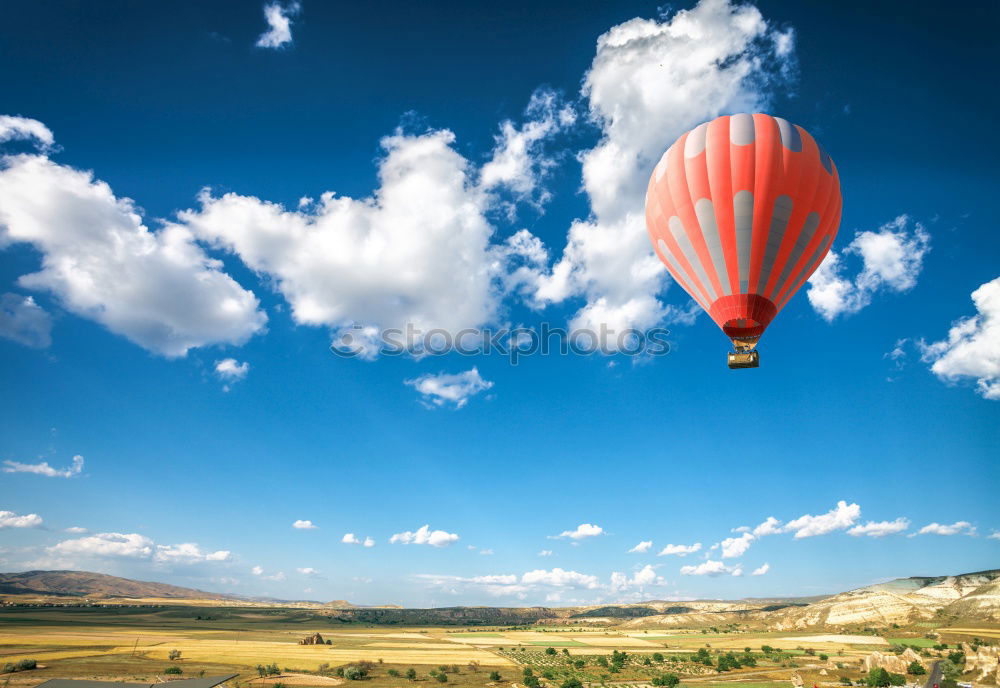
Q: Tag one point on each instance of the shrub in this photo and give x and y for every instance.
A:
(916, 669)
(411, 673)
(571, 683)
(355, 672)
(393, 673)
(26, 665)
(658, 656)
(668, 680)
(173, 670)
(442, 677)
(550, 650)
(174, 654)
(845, 681)
(824, 657)
(494, 675)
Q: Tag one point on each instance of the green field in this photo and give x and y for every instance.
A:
(919, 642)
(556, 643)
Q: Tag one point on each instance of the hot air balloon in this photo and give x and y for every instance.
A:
(742, 210)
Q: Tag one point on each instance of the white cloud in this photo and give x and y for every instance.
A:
(842, 516)
(880, 528)
(680, 550)
(13, 128)
(770, 526)
(352, 539)
(417, 252)
(649, 82)
(956, 528)
(304, 525)
(8, 519)
(517, 162)
(646, 576)
(24, 321)
(259, 572)
(995, 535)
(642, 547)
(230, 370)
(545, 553)
(487, 552)
(445, 389)
(130, 546)
(892, 258)
(711, 567)
(308, 571)
(45, 469)
(736, 546)
(279, 22)
(425, 536)
(972, 349)
(188, 553)
(761, 570)
(584, 530)
(76, 530)
(558, 577)
(158, 289)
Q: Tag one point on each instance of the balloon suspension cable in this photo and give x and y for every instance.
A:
(745, 345)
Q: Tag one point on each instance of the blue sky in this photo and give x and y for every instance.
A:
(483, 165)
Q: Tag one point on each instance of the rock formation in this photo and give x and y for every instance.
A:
(894, 664)
(982, 662)
(314, 639)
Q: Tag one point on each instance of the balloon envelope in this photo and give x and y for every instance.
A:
(742, 210)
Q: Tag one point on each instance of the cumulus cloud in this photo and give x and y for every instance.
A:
(76, 530)
(424, 536)
(770, 526)
(304, 525)
(24, 321)
(123, 545)
(43, 468)
(761, 570)
(644, 577)
(582, 531)
(956, 528)
(650, 81)
(642, 547)
(545, 553)
(14, 128)
(710, 567)
(279, 22)
(995, 535)
(188, 553)
(972, 349)
(891, 259)
(558, 577)
(418, 252)
(259, 572)
(450, 390)
(680, 550)
(842, 516)
(880, 528)
(230, 370)
(736, 546)
(308, 571)
(352, 539)
(518, 163)
(158, 289)
(8, 519)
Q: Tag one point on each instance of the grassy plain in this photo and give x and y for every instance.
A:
(133, 644)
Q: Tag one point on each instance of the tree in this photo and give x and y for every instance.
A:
(442, 677)
(474, 666)
(355, 672)
(668, 680)
(494, 675)
(174, 654)
(845, 681)
(261, 670)
(571, 683)
(824, 657)
(897, 680)
(916, 669)
(393, 673)
(173, 670)
(411, 674)
(657, 656)
(878, 678)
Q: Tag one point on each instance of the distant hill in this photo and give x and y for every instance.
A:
(94, 585)
(904, 600)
